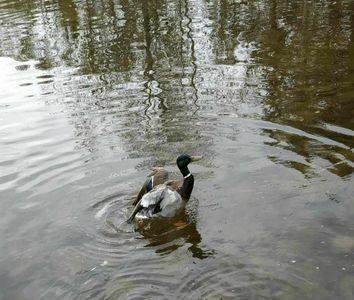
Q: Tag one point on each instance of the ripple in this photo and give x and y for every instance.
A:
(227, 278)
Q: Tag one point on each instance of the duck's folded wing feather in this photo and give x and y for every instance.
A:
(153, 198)
(156, 177)
(150, 199)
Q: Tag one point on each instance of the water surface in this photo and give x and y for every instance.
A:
(95, 93)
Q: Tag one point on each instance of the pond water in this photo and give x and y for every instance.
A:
(93, 94)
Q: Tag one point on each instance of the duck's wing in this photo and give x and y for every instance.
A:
(151, 199)
(156, 177)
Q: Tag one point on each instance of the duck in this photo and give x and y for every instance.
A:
(167, 198)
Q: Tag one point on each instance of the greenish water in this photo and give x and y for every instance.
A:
(95, 93)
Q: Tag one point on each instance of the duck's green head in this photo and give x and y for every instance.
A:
(184, 160)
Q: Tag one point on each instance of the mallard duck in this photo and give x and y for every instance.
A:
(169, 197)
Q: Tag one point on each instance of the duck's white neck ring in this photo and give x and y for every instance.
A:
(187, 175)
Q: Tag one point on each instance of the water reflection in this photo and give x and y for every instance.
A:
(162, 50)
(303, 152)
(93, 93)
(166, 236)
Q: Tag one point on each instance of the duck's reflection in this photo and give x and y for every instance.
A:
(167, 235)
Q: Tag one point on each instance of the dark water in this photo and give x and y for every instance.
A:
(95, 93)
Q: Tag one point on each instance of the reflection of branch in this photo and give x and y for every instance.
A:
(156, 20)
(181, 40)
(273, 15)
(352, 22)
(194, 73)
(67, 10)
(90, 42)
(148, 59)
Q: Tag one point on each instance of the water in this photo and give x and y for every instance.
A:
(95, 93)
